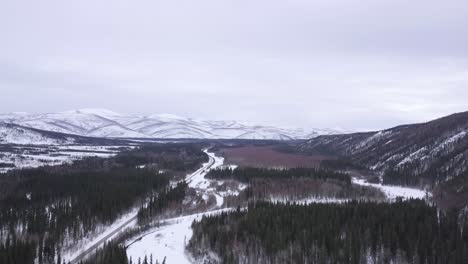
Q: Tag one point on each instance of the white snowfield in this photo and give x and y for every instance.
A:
(105, 123)
(311, 200)
(169, 241)
(37, 156)
(393, 192)
(197, 179)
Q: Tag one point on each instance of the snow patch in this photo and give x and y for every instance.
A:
(393, 192)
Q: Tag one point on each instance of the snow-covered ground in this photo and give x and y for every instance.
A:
(37, 156)
(168, 241)
(393, 192)
(105, 123)
(309, 200)
(198, 181)
(11, 134)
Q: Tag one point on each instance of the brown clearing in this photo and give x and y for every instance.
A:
(268, 157)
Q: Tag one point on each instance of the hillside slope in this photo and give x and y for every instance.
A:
(14, 134)
(418, 154)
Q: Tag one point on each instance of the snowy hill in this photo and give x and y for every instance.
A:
(434, 151)
(14, 134)
(105, 123)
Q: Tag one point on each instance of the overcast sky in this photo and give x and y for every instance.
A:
(356, 64)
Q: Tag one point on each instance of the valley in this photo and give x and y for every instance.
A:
(234, 132)
(151, 200)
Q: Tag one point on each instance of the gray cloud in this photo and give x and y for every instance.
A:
(355, 64)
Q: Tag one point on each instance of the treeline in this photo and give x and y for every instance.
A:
(162, 201)
(403, 177)
(6, 165)
(110, 254)
(74, 202)
(246, 175)
(340, 164)
(113, 253)
(171, 156)
(306, 188)
(354, 232)
(296, 184)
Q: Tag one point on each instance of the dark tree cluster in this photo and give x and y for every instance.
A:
(339, 164)
(403, 177)
(295, 183)
(354, 232)
(110, 254)
(6, 165)
(51, 206)
(113, 253)
(175, 156)
(246, 175)
(17, 252)
(162, 201)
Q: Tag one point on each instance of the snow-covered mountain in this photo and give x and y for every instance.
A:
(14, 134)
(105, 123)
(434, 151)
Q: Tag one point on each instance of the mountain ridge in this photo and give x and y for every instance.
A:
(92, 122)
(415, 154)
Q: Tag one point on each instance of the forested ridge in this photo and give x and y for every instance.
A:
(354, 232)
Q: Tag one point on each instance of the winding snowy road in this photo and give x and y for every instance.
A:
(169, 241)
(195, 180)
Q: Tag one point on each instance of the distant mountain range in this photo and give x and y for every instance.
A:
(107, 124)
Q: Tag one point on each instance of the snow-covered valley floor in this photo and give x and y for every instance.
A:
(393, 192)
(168, 241)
